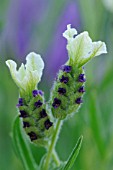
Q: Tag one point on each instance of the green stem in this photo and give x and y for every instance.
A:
(52, 145)
(56, 158)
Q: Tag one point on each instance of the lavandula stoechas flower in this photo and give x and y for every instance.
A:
(31, 104)
(68, 89)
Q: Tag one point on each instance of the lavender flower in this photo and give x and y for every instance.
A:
(34, 114)
(80, 49)
(66, 94)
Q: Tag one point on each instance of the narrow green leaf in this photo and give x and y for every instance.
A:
(95, 123)
(42, 162)
(74, 154)
(22, 146)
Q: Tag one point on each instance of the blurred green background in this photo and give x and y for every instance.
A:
(37, 25)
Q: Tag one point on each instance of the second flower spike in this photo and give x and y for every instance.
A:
(31, 104)
(68, 89)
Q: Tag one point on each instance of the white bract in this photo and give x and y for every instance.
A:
(27, 76)
(81, 48)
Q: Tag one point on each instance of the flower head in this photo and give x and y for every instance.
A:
(81, 48)
(68, 90)
(28, 75)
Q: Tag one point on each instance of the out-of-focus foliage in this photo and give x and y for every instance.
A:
(23, 30)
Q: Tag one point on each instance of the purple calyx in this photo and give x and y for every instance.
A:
(32, 136)
(79, 100)
(56, 103)
(64, 79)
(26, 124)
(81, 78)
(48, 124)
(23, 114)
(37, 92)
(61, 91)
(20, 102)
(81, 89)
(38, 104)
(66, 68)
(43, 113)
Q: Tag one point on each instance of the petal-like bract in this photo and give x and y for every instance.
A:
(81, 48)
(29, 75)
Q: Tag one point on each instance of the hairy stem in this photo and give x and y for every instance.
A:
(56, 158)
(51, 149)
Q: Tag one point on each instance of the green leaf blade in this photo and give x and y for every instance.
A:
(22, 147)
(74, 154)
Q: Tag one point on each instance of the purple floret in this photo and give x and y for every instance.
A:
(81, 89)
(79, 100)
(32, 136)
(38, 103)
(37, 92)
(48, 124)
(20, 102)
(43, 113)
(23, 114)
(26, 124)
(81, 78)
(66, 68)
(62, 91)
(64, 79)
(56, 103)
